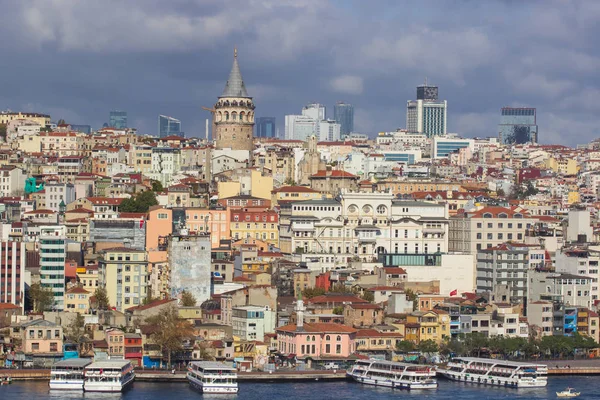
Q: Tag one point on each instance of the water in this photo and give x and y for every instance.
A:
(310, 391)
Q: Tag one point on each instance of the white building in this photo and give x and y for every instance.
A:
(166, 162)
(299, 127)
(442, 147)
(52, 242)
(314, 110)
(252, 322)
(12, 181)
(328, 131)
(57, 193)
(427, 117)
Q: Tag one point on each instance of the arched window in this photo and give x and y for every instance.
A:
(242, 116)
(381, 209)
(308, 338)
(226, 116)
(487, 215)
(313, 338)
(339, 338)
(234, 116)
(327, 337)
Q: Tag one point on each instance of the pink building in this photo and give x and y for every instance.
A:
(317, 340)
(214, 221)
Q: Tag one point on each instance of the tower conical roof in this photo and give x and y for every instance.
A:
(235, 84)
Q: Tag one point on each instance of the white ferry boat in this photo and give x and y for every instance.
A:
(68, 374)
(394, 374)
(108, 376)
(212, 377)
(496, 372)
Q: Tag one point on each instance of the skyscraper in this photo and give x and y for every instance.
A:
(168, 126)
(299, 127)
(266, 127)
(518, 126)
(234, 113)
(117, 119)
(343, 114)
(427, 114)
(314, 110)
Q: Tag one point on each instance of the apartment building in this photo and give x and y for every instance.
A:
(488, 227)
(123, 272)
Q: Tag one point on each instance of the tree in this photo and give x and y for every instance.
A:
(309, 293)
(405, 346)
(102, 298)
(140, 203)
(157, 186)
(368, 296)
(187, 299)
(3, 130)
(41, 297)
(428, 347)
(338, 310)
(474, 342)
(169, 331)
(412, 296)
(75, 331)
(500, 193)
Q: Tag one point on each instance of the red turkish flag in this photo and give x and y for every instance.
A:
(454, 292)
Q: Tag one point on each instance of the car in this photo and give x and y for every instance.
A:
(331, 365)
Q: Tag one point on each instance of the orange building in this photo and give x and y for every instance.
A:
(216, 222)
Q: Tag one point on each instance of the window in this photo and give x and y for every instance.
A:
(339, 338)
(35, 346)
(338, 349)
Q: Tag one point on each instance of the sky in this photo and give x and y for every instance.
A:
(77, 60)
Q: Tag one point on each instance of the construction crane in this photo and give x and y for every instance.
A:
(212, 111)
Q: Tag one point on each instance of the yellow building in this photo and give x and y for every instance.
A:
(293, 193)
(123, 272)
(303, 280)
(141, 158)
(30, 144)
(573, 197)
(228, 189)
(88, 277)
(255, 224)
(563, 166)
(40, 119)
(77, 299)
(432, 325)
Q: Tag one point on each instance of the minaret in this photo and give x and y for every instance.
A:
(234, 113)
(300, 314)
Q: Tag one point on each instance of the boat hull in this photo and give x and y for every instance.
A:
(493, 381)
(108, 386)
(212, 389)
(66, 385)
(395, 384)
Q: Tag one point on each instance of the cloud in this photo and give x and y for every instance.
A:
(348, 84)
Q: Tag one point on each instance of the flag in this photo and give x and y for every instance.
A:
(454, 292)
(141, 224)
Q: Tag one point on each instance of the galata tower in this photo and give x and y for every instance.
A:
(234, 113)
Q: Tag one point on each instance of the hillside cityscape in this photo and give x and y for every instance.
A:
(317, 246)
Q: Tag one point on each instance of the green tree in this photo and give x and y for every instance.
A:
(75, 331)
(187, 299)
(368, 296)
(157, 186)
(41, 297)
(140, 203)
(412, 296)
(338, 310)
(309, 293)
(474, 342)
(102, 298)
(405, 346)
(3, 130)
(169, 331)
(428, 347)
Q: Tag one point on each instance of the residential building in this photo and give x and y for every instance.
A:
(41, 338)
(488, 227)
(518, 125)
(257, 224)
(363, 315)
(39, 119)
(443, 147)
(331, 182)
(430, 325)
(12, 181)
(133, 348)
(77, 299)
(190, 265)
(253, 322)
(343, 114)
(319, 341)
(123, 272)
(58, 195)
(12, 273)
(53, 252)
(116, 344)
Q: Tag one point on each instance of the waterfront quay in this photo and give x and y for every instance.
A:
(180, 376)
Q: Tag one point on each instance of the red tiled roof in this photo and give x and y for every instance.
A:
(293, 189)
(8, 306)
(365, 333)
(395, 270)
(365, 306)
(333, 299)
(105, 200)
(78, 289)
(336, 173)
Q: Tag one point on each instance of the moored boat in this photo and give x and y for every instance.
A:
(68, 374)
(212, 377)
(488, 371)
(108, 376)
(393, 374)
(568, 392)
